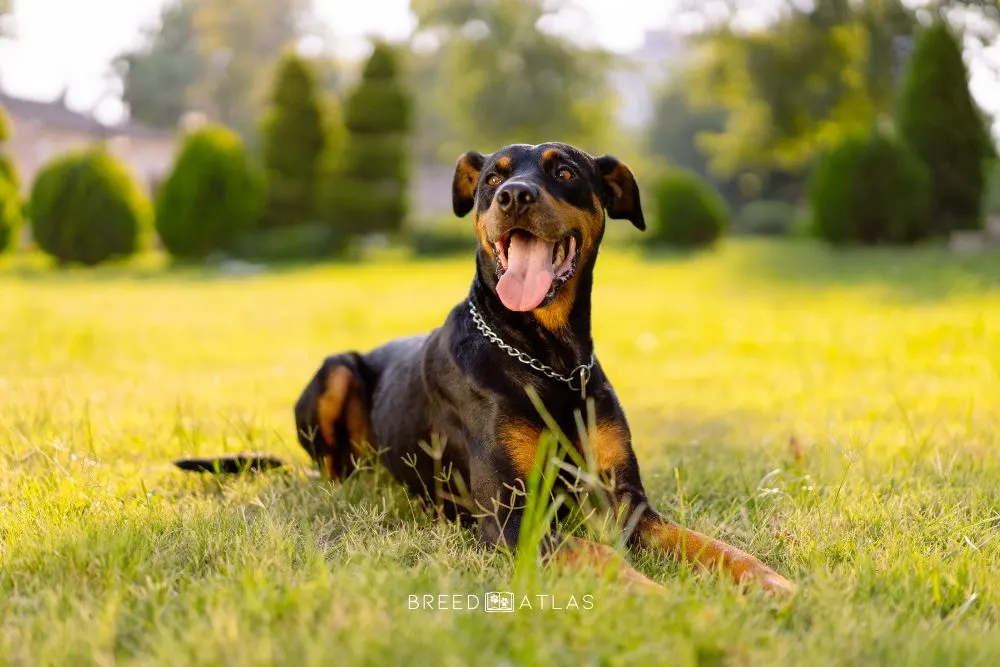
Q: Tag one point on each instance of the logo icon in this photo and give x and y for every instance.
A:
(497, 601)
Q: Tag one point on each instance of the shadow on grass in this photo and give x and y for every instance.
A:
(919, 273)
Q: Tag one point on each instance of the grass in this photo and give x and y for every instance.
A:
(837, 414)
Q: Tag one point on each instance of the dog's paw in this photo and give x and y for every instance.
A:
(772, 582)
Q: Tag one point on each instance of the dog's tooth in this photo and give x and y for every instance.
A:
(560, 254)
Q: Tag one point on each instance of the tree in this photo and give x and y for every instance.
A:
(942, 124)
(368, 192)
(6, 11)
(293, 140)
(240, 39)
(676, 126)
(504, 79)
(212, 196)
(801, 84)
(434, 140)
(209, 55)
(157, 77)
(979, 19)
(676, 133)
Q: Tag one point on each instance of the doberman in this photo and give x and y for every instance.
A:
(539, 215)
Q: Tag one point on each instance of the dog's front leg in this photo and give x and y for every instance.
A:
(576, 553)
(655, 532)
(501, 512)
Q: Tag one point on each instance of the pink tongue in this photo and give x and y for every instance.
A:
(529, 273)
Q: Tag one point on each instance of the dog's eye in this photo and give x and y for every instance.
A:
(565, 174)
(494, 180)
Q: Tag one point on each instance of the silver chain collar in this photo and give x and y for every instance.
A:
(577, 378)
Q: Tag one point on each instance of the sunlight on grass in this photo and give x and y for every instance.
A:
(835, 413)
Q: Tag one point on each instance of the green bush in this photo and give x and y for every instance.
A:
(870, 189)
(367, 192)
(8, 170)
(690, 213)
(941, 123)
(212, 196)
(294, 139)
(10, 214)
(765, 218)
(87, 208)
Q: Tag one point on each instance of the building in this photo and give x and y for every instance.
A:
(41, 131)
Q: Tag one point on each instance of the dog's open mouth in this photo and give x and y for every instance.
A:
(531, 269)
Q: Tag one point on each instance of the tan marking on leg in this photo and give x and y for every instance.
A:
(520, 440)
(341, 401)
(610, 442)
(578, 553)
(330, 465)
(330, 404)
(693, 547)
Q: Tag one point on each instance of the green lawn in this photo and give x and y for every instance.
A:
(836, 414)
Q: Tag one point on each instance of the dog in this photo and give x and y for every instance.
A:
(521, 337)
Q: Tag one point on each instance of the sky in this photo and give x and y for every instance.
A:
(68, 44)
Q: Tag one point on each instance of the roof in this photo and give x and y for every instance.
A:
(51, 113)
(57, 114)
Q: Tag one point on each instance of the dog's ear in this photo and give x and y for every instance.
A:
(463, 186)
(619, 191)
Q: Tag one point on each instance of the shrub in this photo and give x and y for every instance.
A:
(8, 170)
(870, 189)
(368, 191)
(86, 207)
(690, 212)
(765, 218)
(211, 197)
(941, 123)
(10, 214)
(294, 137)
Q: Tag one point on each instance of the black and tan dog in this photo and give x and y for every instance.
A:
(539, 214)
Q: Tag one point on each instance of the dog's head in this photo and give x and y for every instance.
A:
(539, 214)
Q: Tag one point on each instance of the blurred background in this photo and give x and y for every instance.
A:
(272, 130)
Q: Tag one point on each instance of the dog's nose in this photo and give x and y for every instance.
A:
(514, 198)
